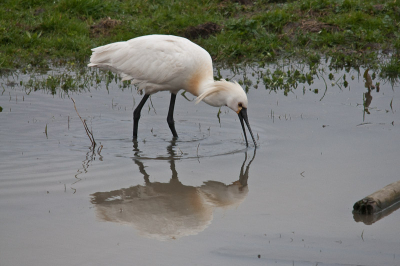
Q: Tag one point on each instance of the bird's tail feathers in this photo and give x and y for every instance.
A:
(103, 56)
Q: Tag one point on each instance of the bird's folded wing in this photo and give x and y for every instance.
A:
(148, 60)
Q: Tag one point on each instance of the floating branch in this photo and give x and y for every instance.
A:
(379, 200)
(370, 219)
(88, 132)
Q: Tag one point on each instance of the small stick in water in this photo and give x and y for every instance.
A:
(88, 132)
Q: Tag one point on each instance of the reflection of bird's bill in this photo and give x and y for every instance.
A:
(243, 116)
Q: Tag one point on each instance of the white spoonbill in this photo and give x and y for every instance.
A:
(170, 63)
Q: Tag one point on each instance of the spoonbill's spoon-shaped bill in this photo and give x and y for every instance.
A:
(170, 63)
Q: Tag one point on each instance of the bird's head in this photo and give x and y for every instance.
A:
(231, 94)
(224, 93)
(237, 100)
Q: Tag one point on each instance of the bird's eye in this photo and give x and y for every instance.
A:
(240, 104)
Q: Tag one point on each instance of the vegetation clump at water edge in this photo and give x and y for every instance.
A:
(39, 34)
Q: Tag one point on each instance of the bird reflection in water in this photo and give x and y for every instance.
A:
(170, 210)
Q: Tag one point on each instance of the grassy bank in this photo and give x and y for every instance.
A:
(36, 33)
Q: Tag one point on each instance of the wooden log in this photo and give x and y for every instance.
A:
(370, 219)
(379, 200)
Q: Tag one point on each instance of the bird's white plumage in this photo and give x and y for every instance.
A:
(168, 63)
(155, 62)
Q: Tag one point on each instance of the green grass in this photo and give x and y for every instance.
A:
(40, 33)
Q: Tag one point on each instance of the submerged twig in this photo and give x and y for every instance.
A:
(180, 150)
(152, 106)
(198, 158)
(326, 89)
(184, 96)
(88, 132)
(99, 149)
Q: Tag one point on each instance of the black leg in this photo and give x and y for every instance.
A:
(170, 117)
(136, 115)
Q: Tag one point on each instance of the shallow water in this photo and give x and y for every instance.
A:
(205, 198)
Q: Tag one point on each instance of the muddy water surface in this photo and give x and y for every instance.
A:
(205, 198)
